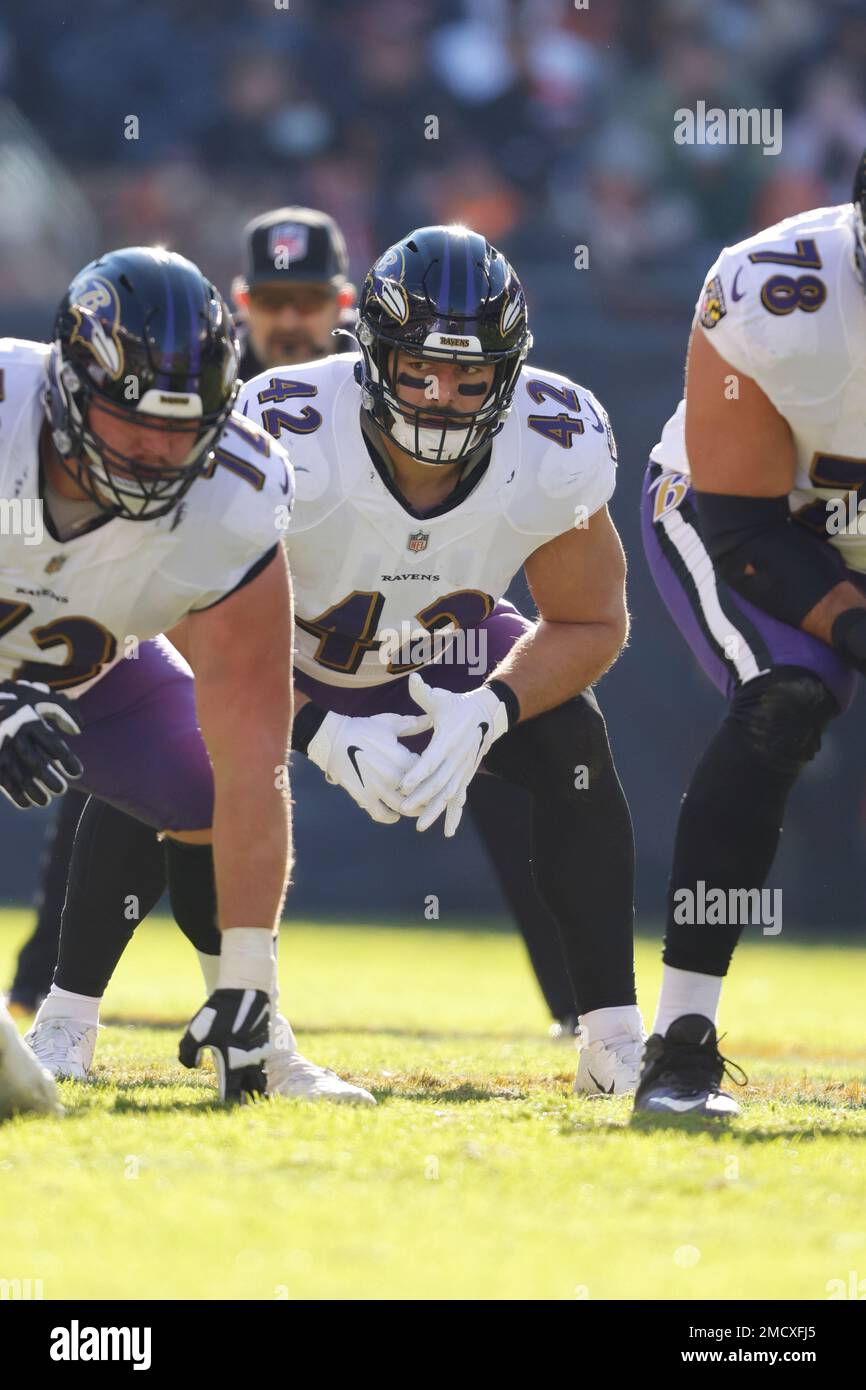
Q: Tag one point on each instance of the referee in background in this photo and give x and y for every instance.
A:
(293, 296)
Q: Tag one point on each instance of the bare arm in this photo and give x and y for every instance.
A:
(743, 447)
(241, 652)
(578, 583)
(179, 638)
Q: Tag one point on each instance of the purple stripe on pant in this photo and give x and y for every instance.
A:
(778, 643)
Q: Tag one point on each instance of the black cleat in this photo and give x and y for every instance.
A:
(682, 1073)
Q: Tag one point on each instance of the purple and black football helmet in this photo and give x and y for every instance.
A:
(447, 295)
(145, 334)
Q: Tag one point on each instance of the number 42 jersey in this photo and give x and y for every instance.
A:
(788, 309)
(373, 581)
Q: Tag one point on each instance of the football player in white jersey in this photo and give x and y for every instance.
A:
(751, 530)
(430, 468)
(138, 498)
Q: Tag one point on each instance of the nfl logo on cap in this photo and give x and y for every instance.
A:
(289, 239)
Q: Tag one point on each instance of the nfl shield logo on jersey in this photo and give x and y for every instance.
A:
(418, 541)
(290, 238)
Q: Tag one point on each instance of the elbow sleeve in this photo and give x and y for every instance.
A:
(767, 557)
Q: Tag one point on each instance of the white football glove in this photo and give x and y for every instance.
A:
(464, 729)
(365, 757)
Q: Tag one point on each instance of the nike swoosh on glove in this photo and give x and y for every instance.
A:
(36, 764)
(234, 1025)
(464, 729)
(365, 757)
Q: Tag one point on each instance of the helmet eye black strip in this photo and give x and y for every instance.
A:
(473, 388)
(420, 383)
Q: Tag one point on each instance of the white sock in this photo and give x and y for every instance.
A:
(614, 1024)
(247, 959)
(686, 992)
(210, 969)
(62, 1003)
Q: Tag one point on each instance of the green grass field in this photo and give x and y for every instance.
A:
(479, 1175)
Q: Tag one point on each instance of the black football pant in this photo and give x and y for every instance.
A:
(38, 956)
(582, 843)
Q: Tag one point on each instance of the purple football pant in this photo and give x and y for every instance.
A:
(496, 636)
(732, 639)
(143, 751)
(141, 745)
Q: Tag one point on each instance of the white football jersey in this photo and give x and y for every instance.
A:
(367, 573)
(788, 308)
(70, 609)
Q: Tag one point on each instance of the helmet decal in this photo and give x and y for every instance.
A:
(393, 298)
(96, 314)
(512, 311)
(393, 256)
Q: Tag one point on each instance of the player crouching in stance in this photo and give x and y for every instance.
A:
(743, 534)
(430, 467)
(158, 504)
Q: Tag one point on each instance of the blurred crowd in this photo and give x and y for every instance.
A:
(543, 124)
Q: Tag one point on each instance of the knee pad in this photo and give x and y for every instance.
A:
(783, 716)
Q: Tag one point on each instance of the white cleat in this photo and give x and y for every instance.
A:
(64, 1046)
(610, 1067)
(24, 1084)
(291, 1074)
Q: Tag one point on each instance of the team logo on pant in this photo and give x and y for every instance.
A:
(418, 541)
(670, 489)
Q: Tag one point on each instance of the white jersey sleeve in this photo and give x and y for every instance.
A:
(232, 527)
(568, 456)
(726, 310)
(772, 304)
(19, 361)
(785, 307)
(307, 406)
